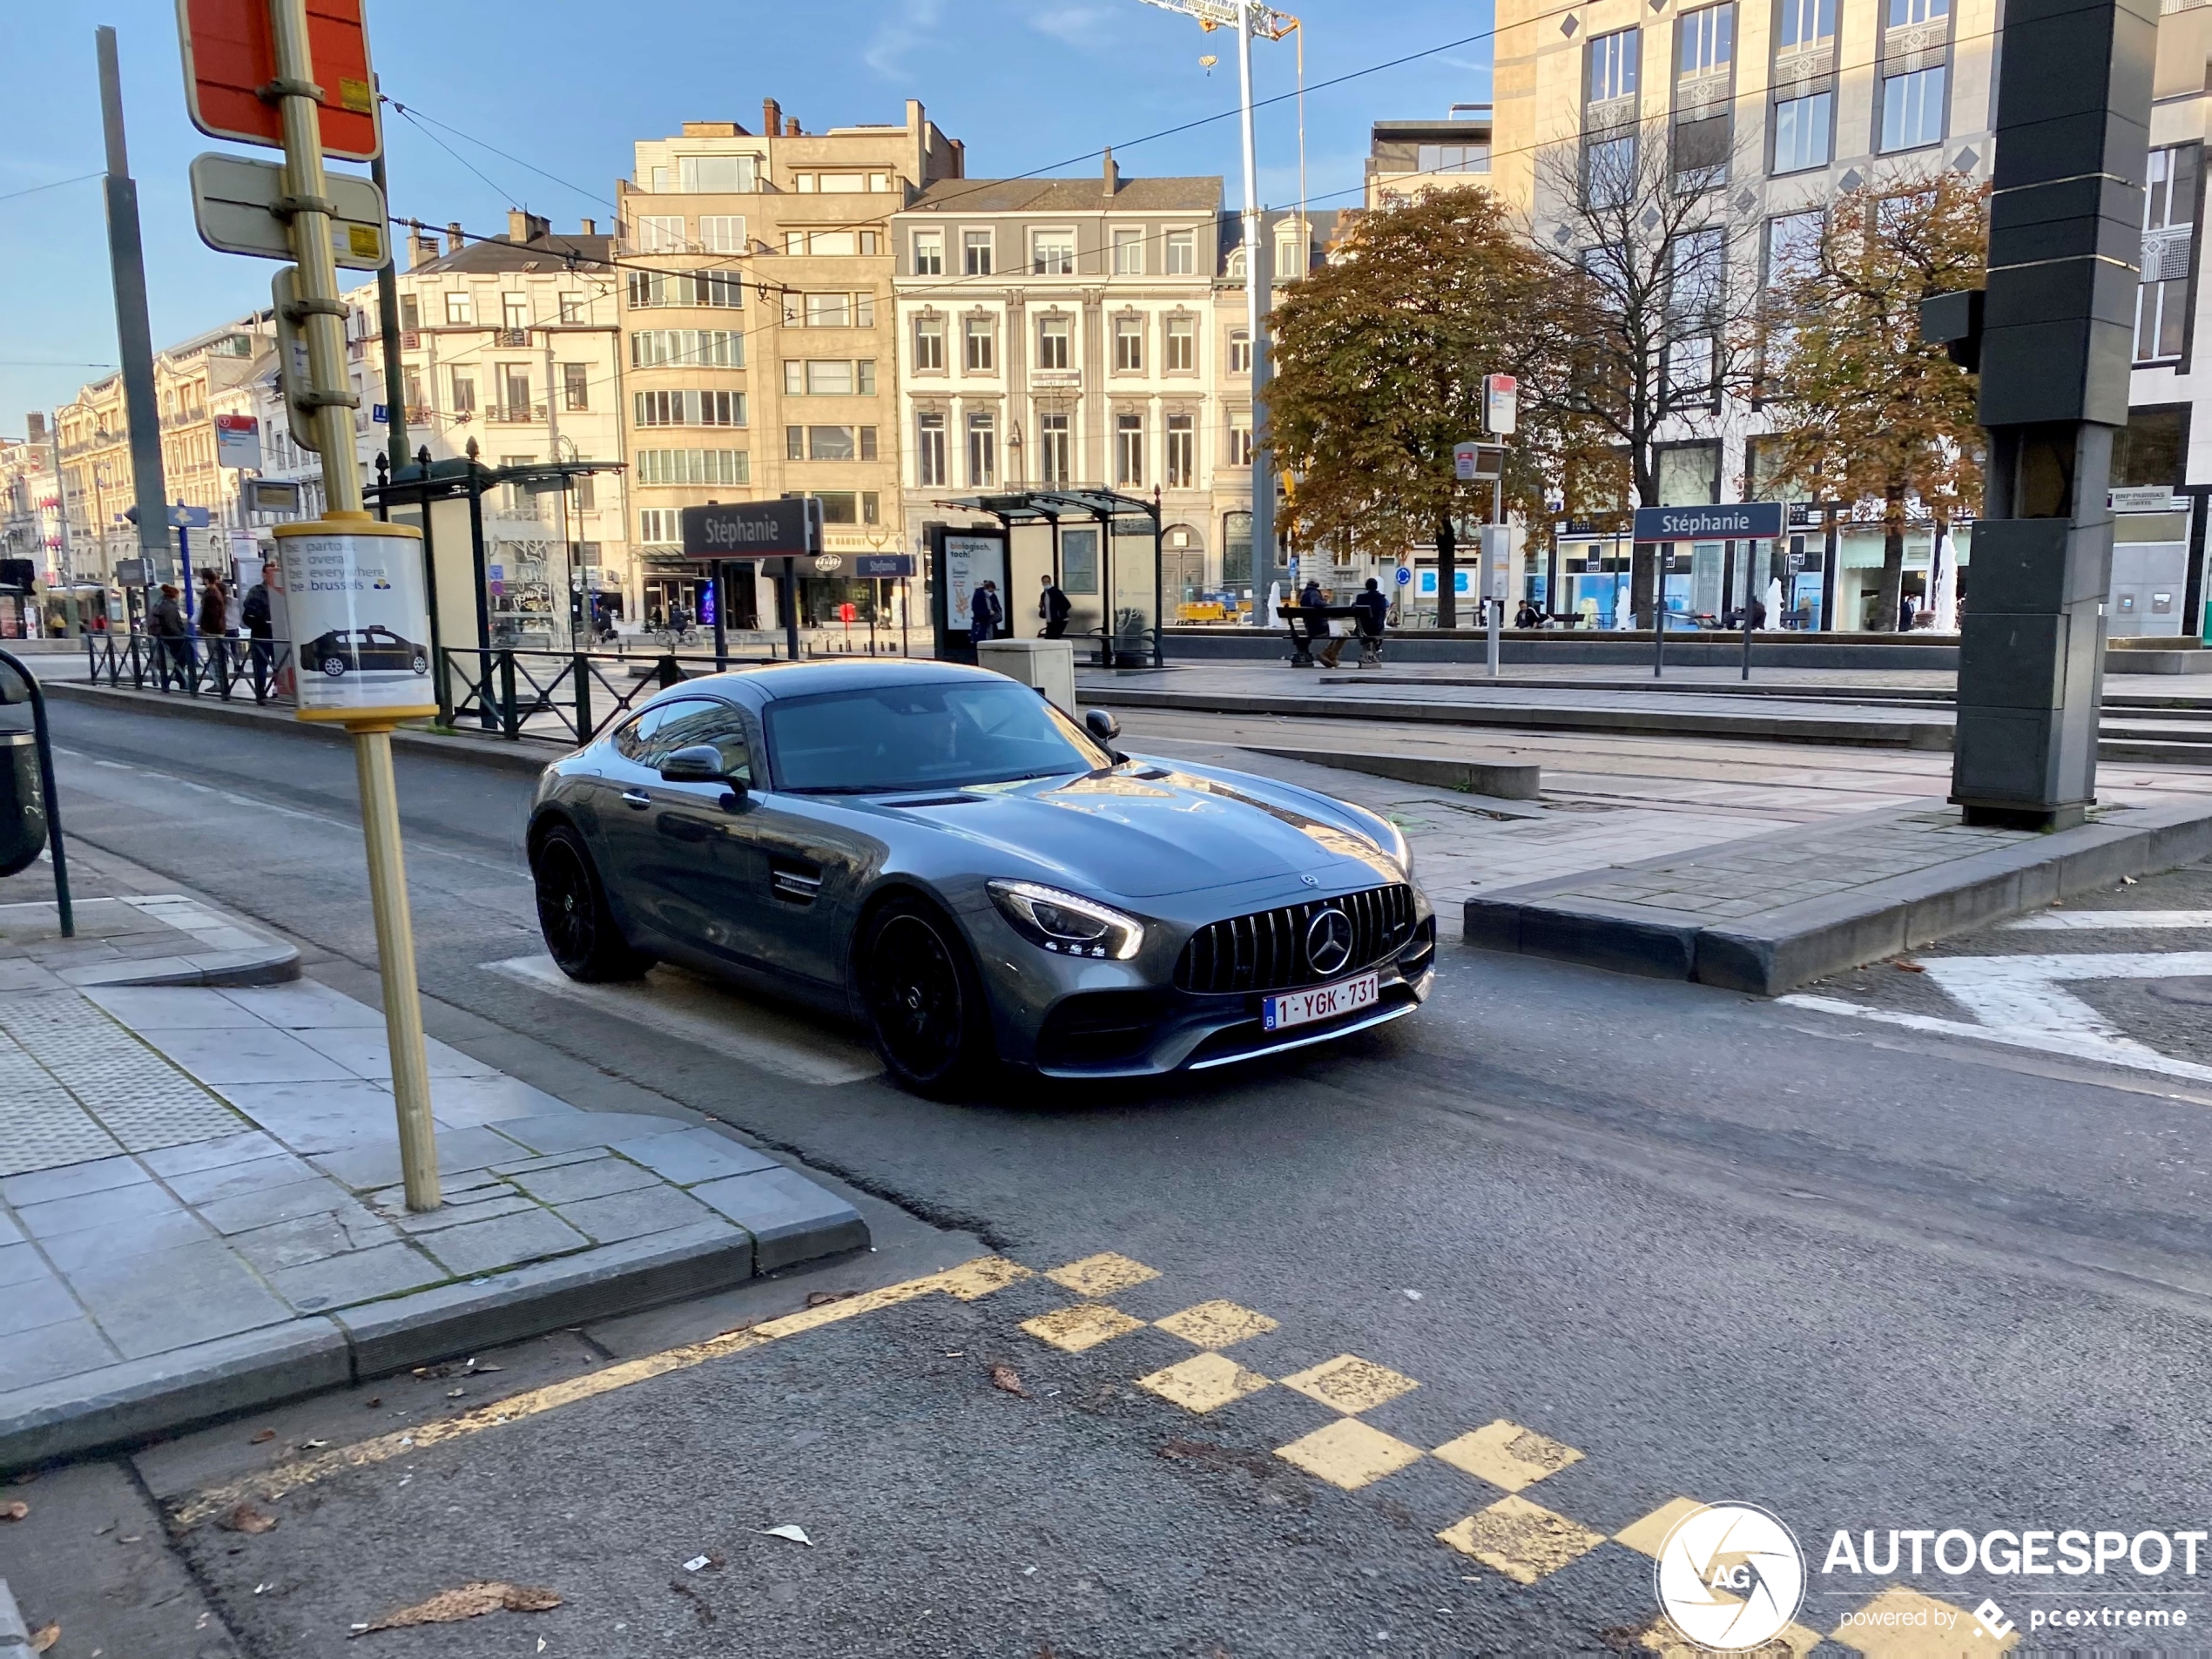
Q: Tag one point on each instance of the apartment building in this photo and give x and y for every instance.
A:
(1407, 160)
(1071, 331)
(1772, 108)
(756, 306)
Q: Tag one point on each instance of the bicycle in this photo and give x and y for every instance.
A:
(672, 637)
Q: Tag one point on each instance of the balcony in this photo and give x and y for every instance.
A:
(510, 337)
(515, 415)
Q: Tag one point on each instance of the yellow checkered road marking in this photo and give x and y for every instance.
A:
(1084, 1326)
(1350, 1384)
(1102, 1275)
(1349, 1454)
(1203, 1383)
(1524, 1540)
(1217, 1324)
(1507, 1455)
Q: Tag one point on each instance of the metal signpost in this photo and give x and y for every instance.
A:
(1728, 522)
(268, 72)
(789, 529)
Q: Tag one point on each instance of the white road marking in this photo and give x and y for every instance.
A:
(675, 1003)
(2109, 921)
(2017, 1000)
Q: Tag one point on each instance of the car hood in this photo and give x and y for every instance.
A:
(1146, 830)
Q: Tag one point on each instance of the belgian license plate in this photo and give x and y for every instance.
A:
(1322, 1002)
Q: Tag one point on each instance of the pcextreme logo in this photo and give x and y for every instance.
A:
(1730, 1576)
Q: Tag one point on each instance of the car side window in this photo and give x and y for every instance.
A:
(717, 724)
(635, 740)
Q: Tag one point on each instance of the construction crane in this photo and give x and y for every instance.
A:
(1249, 17)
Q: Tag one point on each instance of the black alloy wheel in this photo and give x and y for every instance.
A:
(925, 1003)
(572, 912)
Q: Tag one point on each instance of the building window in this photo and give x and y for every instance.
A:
(722, 232)
(1613, 62)
(514, 311)
(1182, 344)
(1689, 369)
(929, 252)
(1053, 450)
(576, 386)
(1129, 252)
(1697, 271)
(1906, 12)
(459, 311)
(1128, 344)
(1240, 352)
(723, 290)
(1806, 22)
(1240, 438)
(1793, 247)
(676, 407)
(1705, 41)
(830, 377)
(982, 339)
(660, 526)
(2170, 212)
(660, 233)
(983, 451)
(716, 175)
(518, 393)
(1237, 548)
(830, 244)
(975, 252)
(464, 390)
(1913, 109)
(929, 345)
(411, 312)
(1181, 251)
(1052, 254)
(1801, 133)
(795, 443)
(714, 347)
(929, 449)
(1609, 170)
(1180, 464)
(693, 467)
(834, 444)
(574, 308)
(1052, 343)
(1129, 449)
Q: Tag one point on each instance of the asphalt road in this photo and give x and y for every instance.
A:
(1867, 1276)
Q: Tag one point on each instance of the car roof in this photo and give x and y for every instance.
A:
(809, 680)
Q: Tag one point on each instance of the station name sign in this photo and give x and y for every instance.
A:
(1730, 521)
(752, 530)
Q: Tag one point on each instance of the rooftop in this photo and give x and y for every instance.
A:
(1201, 195)
(552, 250)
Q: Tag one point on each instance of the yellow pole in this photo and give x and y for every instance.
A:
(395, 963)
(321, 322)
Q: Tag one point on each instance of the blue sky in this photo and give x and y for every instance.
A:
(566, 86)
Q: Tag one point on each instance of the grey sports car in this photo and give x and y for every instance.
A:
(938, 852)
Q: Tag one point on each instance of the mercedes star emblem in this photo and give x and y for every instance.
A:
(1328, 941)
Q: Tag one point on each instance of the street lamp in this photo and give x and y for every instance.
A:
(1013, 454)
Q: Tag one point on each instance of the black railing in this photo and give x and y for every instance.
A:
(229, 669)
(562, 697)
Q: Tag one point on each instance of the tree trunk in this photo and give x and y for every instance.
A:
(1643, 558)
(1886, 613)
(1447, 574)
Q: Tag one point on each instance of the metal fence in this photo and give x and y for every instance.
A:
(229, 669)
(563, 696)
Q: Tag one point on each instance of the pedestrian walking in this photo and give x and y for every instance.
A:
(259, 615)
(1053, 609)
(987, 614)
(171, 646)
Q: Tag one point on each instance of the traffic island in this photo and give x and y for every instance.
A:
(1768, 915)
(201, 1210)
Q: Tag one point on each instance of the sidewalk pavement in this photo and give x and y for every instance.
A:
(135, 939)
(200, 1209)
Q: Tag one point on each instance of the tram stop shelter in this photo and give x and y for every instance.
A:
(1100, 547)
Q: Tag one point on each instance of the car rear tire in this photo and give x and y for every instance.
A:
(580, 931)
(334, 666)
(924, 1000)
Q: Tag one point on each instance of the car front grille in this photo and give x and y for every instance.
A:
(1266, 951)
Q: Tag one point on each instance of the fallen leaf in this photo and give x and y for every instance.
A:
(246, 1518)
(797, 1534)
(44, 1637)
(1005, 1377)
(313, 1445)
(455, 1393)
(1908, 968)
(131, 1537)
(698, 1601)
(25, 1478)
(470, 1601)
(14, 1510)
(262, 1437)
(375, 1400)
(823, 1299)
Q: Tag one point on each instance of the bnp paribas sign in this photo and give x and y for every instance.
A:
(1729, 521)
(753, 530)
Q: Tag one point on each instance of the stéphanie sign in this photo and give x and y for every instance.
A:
(753, 530)
(1729, 521)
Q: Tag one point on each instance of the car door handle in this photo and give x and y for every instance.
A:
(637, 798)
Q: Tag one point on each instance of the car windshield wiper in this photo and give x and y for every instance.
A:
(921, 784)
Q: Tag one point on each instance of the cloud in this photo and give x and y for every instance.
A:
(889, 47)
(1073, 24)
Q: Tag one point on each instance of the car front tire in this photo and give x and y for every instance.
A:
(579, 929)
(924, 1000)
(334, 666)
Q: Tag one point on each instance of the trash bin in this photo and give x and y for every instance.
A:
(1048, 664)
(23, 803)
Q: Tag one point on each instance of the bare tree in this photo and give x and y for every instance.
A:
(1667, 288)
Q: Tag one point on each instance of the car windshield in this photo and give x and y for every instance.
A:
(926, 736)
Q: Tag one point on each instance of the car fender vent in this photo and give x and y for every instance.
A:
(1266, 951)
(937, 800)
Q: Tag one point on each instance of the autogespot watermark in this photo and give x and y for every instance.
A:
(1732, 1577)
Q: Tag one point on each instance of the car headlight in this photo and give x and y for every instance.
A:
(1390, 838)
(1066, 925)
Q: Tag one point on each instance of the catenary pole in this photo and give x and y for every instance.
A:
(133, 334)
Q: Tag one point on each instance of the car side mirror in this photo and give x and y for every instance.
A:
(1102, 725)
(698, 763)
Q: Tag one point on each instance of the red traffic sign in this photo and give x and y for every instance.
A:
(230, 55)
(1501, 403)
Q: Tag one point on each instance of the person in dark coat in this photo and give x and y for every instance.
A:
(1053, 609)
(985, 615)
(172, 645)
(1527, 616)
(258, 614)
(1373, 606)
